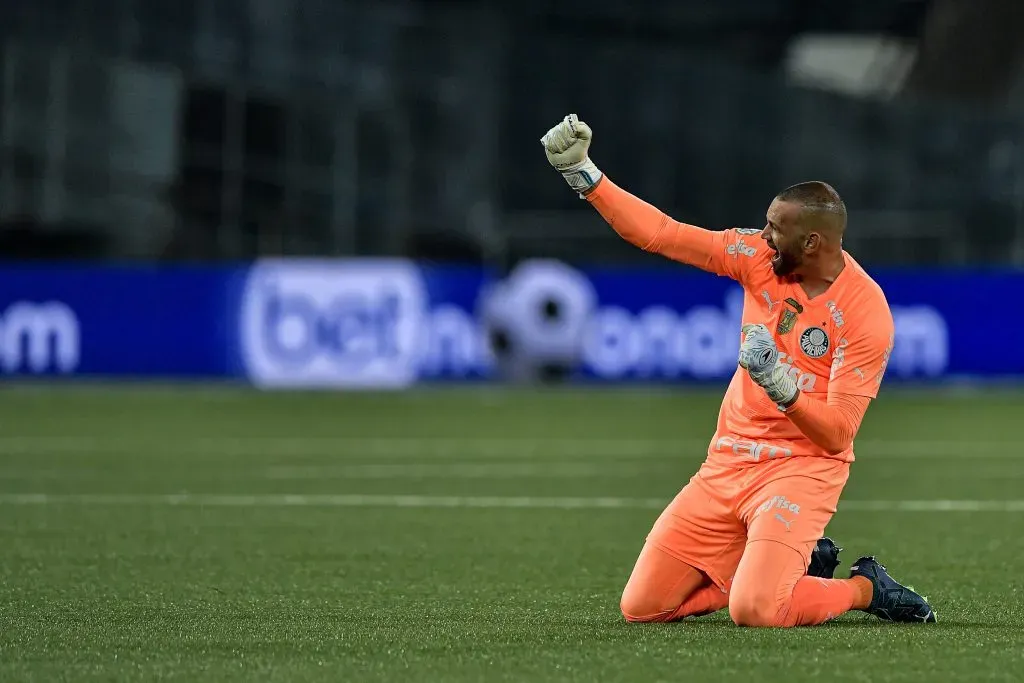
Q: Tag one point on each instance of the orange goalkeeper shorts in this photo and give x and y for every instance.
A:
(789, 500)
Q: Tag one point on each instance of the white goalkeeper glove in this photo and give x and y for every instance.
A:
(760, 358)
(566, 147)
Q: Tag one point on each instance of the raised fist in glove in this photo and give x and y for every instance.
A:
(566, 146)
(759, 356)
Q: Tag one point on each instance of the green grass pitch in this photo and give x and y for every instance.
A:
(219, 534)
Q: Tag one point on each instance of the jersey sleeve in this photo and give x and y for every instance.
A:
(860, 358)
(729, 253)
(830, 425)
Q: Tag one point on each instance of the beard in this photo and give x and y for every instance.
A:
(784, 264)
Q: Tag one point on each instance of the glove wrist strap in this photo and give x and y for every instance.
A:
(581, 176)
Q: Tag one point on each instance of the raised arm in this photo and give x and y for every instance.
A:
(721, 252)
(728, 252)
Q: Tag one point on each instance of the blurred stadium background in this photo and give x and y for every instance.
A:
(210, 207)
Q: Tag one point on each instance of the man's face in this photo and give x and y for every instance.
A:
(784, 236)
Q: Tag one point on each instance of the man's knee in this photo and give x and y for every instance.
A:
(638, 605)
(753, 606)
(763, 587)
(658, 586)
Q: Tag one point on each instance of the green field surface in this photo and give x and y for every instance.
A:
(198, 533)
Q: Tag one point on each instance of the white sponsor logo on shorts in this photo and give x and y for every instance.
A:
(778, 502)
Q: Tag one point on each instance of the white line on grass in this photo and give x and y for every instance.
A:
(326, 500)
(413, 501)
(545, 469)
(414, 447)
(408, 469)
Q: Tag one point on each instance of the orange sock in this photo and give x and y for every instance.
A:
(865, 591)
(815, 601)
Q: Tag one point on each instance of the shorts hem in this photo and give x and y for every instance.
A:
(715, 577)
(795, 548)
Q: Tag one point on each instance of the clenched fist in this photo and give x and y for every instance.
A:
(759, 356)
(566, 146)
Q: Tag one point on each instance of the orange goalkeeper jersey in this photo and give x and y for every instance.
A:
(838, 342)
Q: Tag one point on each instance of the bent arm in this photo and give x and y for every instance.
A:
(832, 425)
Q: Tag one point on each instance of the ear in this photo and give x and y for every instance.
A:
(812, 241)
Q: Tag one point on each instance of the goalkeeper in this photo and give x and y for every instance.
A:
(816, 338)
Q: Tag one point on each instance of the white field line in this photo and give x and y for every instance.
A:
(446, 470)
(537, 469)
(404, 501)
(441, 447)
(407, 469)
(544, 469)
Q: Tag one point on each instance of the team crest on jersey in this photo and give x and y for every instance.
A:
(814, 342)
(786, 322)
(748, 231)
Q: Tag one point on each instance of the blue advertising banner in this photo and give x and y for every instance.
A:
(99, 321)
(391, 323)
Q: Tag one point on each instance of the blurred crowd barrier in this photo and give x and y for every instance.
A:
(186, 130)
(392, 323)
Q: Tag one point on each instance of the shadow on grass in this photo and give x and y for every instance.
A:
(849, 623)
(943, 623)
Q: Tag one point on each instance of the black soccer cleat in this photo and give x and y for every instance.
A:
(890, 600)
(824, 559)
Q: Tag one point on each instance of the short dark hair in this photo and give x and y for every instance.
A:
(819, 198)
